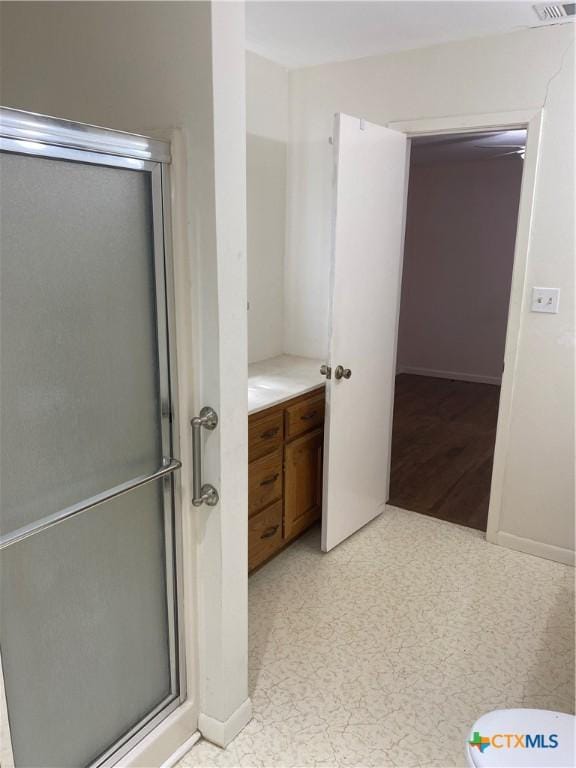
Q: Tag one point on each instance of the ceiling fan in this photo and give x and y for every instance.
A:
(516, 149)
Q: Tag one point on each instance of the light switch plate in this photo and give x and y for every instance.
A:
(545, 300)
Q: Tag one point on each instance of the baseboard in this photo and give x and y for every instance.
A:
(532, 547)
(222, 733)
(478, 378)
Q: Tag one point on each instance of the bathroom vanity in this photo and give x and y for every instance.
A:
(285, 453)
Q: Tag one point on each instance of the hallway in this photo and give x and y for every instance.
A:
(384, 651)
(443, 447)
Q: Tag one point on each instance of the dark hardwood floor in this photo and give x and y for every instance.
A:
(443, 447)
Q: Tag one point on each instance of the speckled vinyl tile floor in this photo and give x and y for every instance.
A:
(384, 651)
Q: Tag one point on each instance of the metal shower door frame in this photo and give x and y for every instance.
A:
(27, 133)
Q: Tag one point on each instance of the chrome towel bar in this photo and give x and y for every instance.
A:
(76, 509)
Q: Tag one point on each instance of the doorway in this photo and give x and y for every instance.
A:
(462, 210)
(368, 226)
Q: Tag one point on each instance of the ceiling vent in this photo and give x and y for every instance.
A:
(555, 12)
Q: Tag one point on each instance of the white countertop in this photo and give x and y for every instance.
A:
(280, 378)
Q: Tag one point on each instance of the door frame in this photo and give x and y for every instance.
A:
(172, 738)
(32, 134)
(531, 120)
(208, 196)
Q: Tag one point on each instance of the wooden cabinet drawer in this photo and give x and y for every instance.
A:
(264, 534)
(265, 434)
(305, 415)
(264, 481)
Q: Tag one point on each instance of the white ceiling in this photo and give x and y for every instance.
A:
(301, 33)
(467, 146)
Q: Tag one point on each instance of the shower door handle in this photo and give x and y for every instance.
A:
(202, 493)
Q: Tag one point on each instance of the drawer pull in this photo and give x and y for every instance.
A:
(270, 433)
(309, 416)
(270, 480)
(269, 532)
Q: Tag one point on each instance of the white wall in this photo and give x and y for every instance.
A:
(457, 270)
(147, 67)
(525, 69)
(266, 154)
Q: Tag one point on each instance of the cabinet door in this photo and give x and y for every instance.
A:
(303, 483)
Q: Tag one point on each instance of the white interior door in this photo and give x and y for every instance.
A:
(368, 221)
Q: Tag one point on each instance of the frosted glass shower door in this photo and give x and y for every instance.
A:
(88, 630)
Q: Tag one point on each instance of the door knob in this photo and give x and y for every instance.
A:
(342, 373)
(325, 370)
